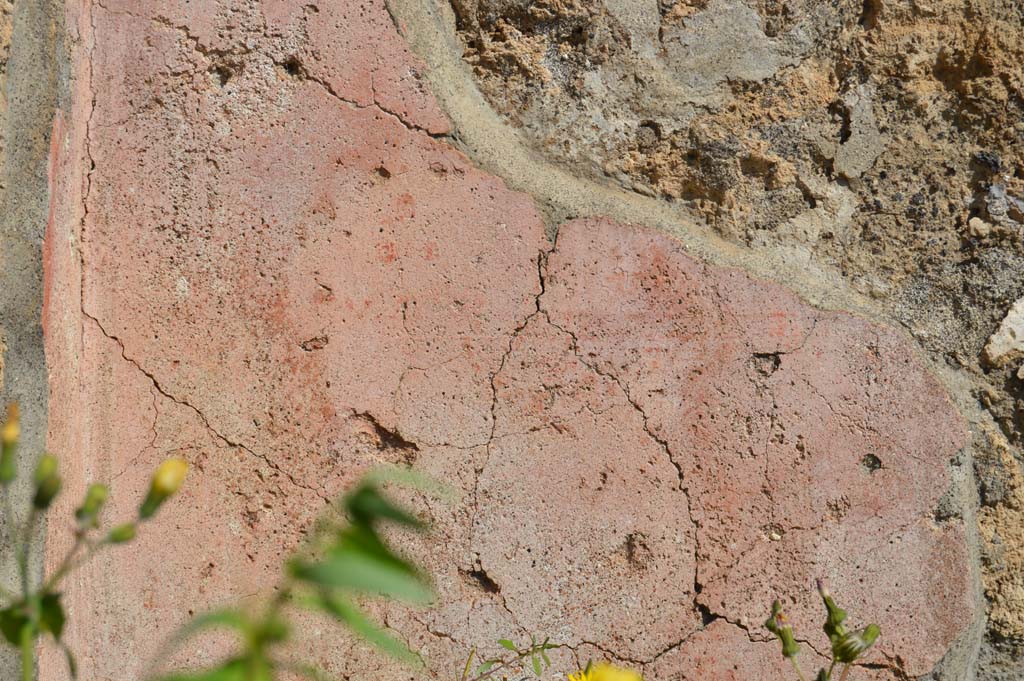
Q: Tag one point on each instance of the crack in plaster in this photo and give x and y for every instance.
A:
(478, 470)
(151, 445)
(82, 259)
(208, 52)
(329, 89)
(206, 422)
(539, 310)
(663, 444)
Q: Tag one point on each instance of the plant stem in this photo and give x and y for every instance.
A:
(846, 672)
(28, 651)
(830, 668)
(10, 522)
(9, 513)
(504, 665)
(796, 666)
(24, 550)
(6, 594)
(469, 664)
(68, 564)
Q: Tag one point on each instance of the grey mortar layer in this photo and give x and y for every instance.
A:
(36, 77)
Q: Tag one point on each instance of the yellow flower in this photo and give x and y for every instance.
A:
(8, 443)
(606, 672)
(169, 476)
(166, 481)
(12, 428)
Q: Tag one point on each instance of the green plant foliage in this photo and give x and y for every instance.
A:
(345, 560)
(535, 654)
(847, 646)
(35, 609)
(355, 619)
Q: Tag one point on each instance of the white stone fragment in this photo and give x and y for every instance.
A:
(1007, 343)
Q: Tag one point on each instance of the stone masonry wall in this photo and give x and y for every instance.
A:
(611, 270)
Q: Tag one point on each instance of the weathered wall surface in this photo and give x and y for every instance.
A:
(31, 85)
(288, 241)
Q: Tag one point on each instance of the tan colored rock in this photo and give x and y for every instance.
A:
(1002, 530)
(1007, 343)
(979, 227)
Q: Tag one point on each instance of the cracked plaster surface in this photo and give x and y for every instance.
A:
(288, 276)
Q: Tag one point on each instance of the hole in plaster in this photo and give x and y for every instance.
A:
(481, 579)
(315, 343)
(387, 439)
(766, 363)
(774, 532)
(293, 66)
(221, 74)
(869, 15)
(871, 463)
(638, 553)
(706, 616)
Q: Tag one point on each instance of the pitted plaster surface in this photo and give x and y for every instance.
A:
(274, 263)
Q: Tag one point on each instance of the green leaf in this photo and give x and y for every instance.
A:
(72, 665)
(486, 667)
(508, 645)
(536, 665)
(306, 671)
(350, 614)
(366, 504)
(215, 619)
(363, 572)
(543, 648)
(469, 663)
(51, 615)
(413, 480)
(362, 538)
(232, 670)
(12, 619)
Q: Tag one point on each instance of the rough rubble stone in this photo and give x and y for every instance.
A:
(1007, 343)
(286, 280)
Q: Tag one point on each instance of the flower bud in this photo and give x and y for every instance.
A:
(121, 533)
(9, 445)
(88, 512)
(850, 646)
(47, 480)
(776, 623)
(836, 616)
(166, 481)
